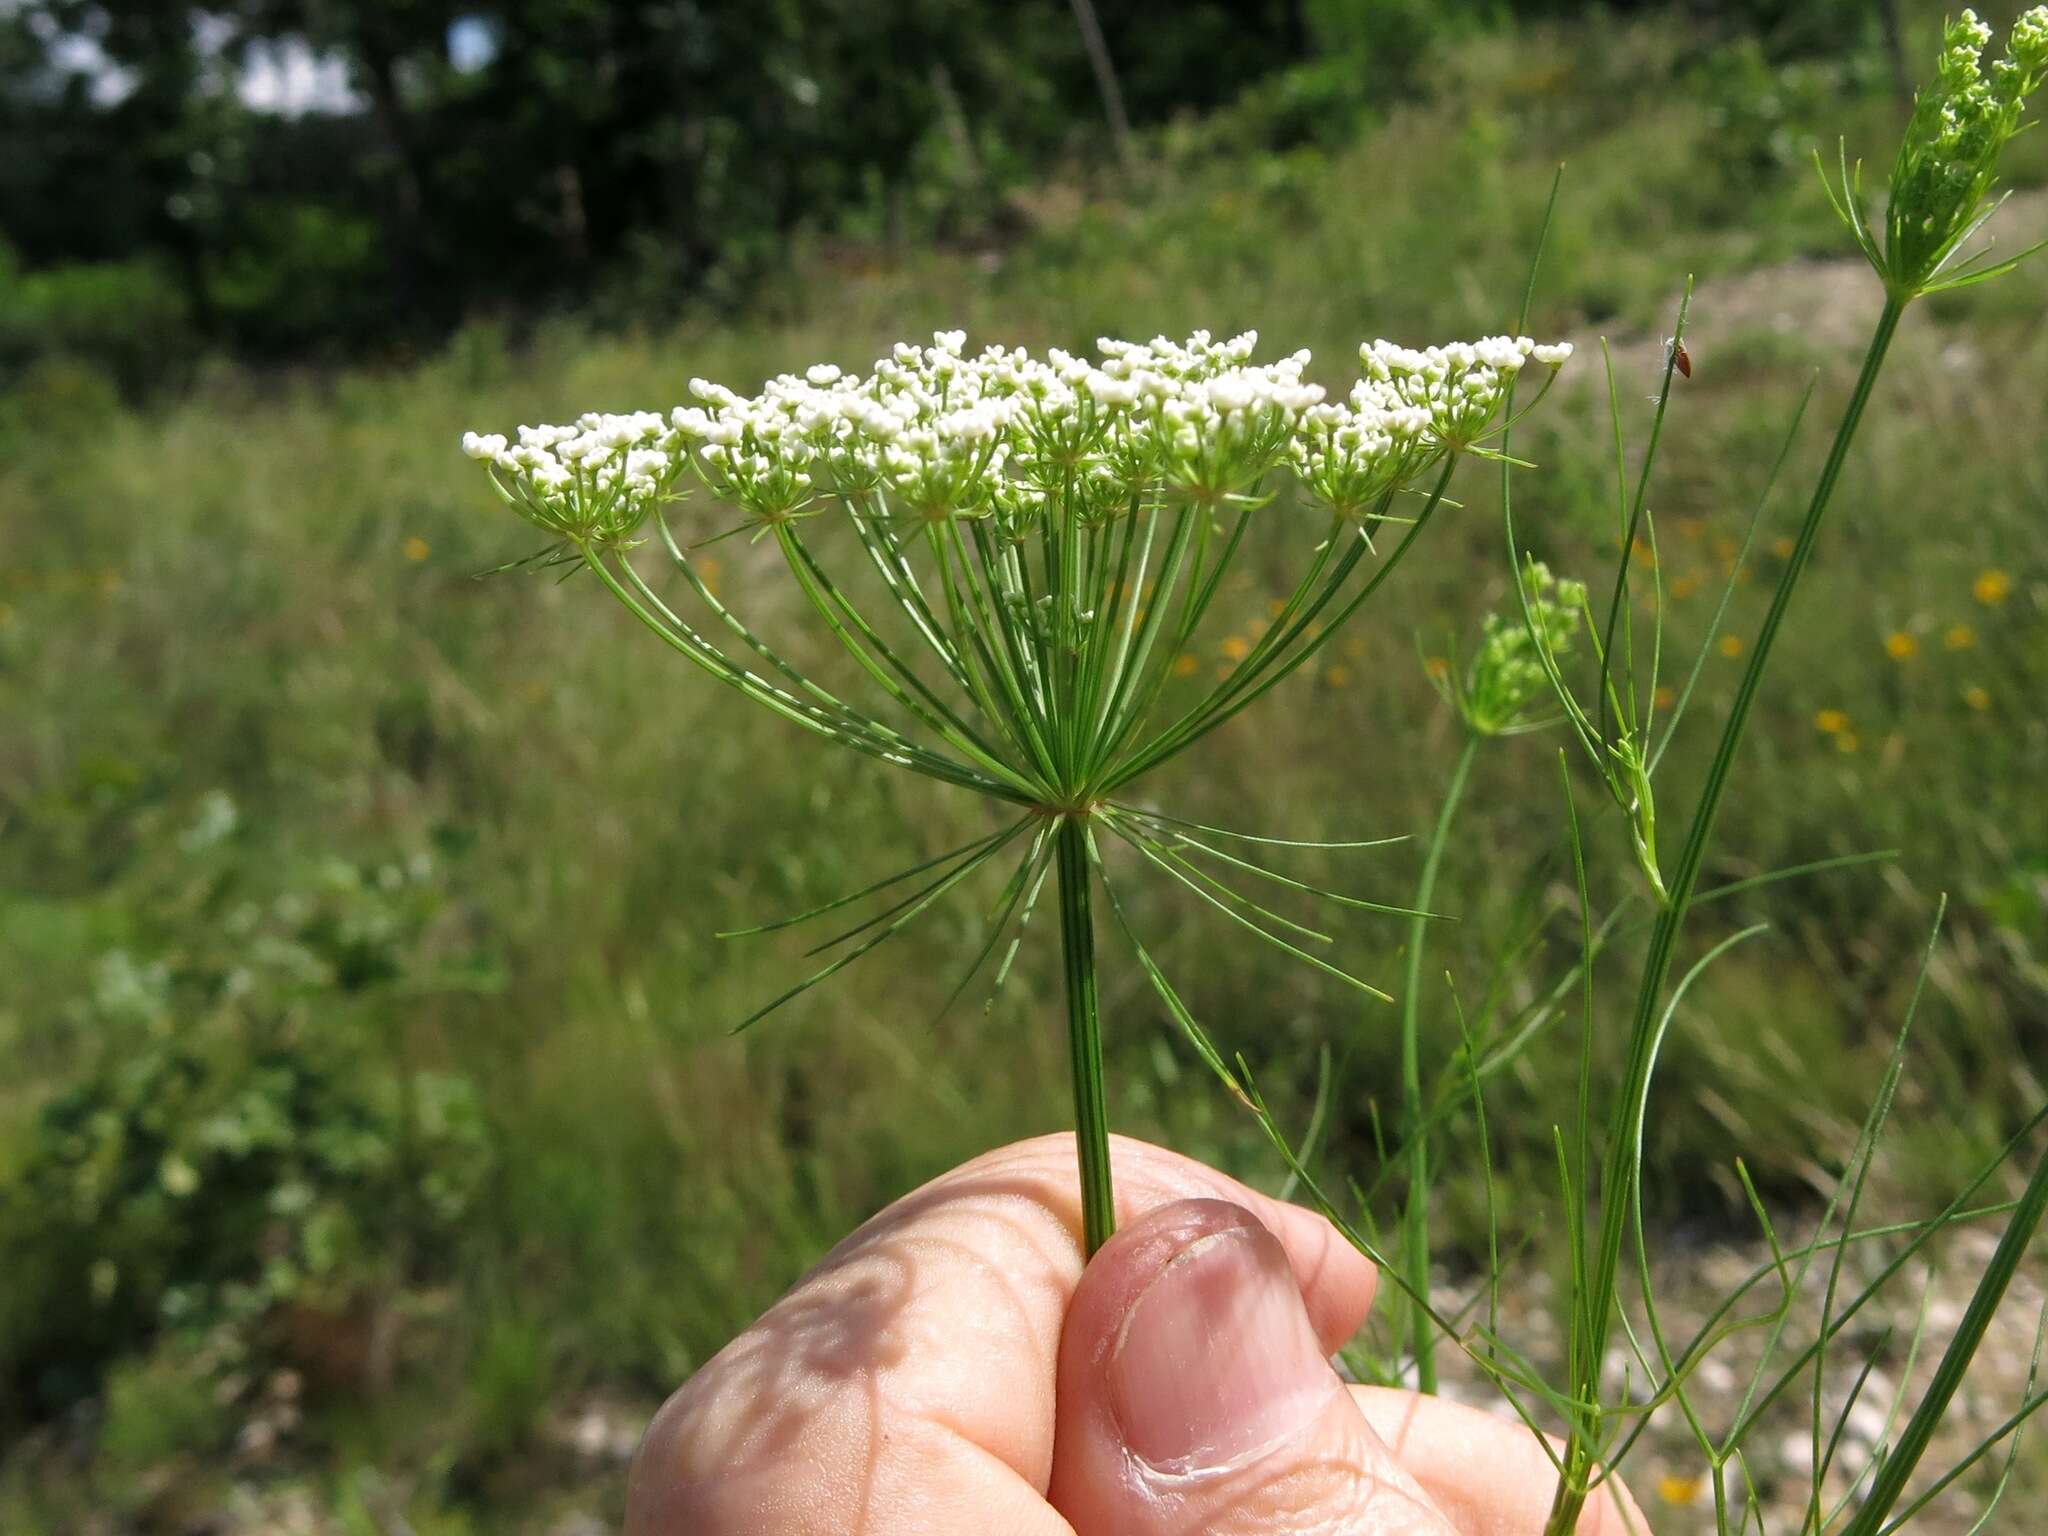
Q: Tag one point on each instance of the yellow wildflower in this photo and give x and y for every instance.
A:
(1901, 646)
(1959, 637)
(1782, 546)
(1832, 721)
(1185, 665)
(1731, 646)
(1991, 587)
(1337, 676)
(417, 549)
(1673, 1489)
(1685, 586)
(1236, 647)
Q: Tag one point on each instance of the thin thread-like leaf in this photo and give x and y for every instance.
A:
(1149, 849)
(867, 890)
(932, 894)
(1198, 1037)
(1007, 901)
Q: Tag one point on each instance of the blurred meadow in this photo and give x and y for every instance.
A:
(374, 1148)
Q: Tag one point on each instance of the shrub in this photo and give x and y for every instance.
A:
(128, 318)
(245, 1161)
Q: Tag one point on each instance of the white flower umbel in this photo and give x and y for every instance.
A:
(1051, 535)
(939, 434)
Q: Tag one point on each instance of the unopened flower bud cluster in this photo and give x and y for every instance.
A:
(942, 434)
(1959, 126)
(1507, 672)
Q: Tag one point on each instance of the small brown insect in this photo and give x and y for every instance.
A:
(1678, 357)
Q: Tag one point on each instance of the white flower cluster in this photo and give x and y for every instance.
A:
(1461, 386)
(942, 434)
(596, 479)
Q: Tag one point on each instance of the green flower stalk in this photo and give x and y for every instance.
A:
(1034, 546)
(1940, 197)
(1492, 695)
(1616, 744)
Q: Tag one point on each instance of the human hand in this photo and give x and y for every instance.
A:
(952, 1369)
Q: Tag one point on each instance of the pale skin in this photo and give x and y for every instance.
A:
(953, 1369)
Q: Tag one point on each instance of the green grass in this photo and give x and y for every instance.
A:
(264, 589)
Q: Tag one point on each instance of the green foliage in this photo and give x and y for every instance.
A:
(510, 1384)
(240, 1147)
(619, 157)
(126, 318)
(624, 159)
(188, 1191)
(159, 1406)
(299, 279)
(1764, 105)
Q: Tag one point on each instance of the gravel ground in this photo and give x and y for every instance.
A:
(1669, 1472)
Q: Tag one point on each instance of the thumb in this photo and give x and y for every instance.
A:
(1195, 1399)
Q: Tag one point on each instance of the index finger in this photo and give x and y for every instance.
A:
(1491, 1477)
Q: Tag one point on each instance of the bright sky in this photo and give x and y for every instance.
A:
(291, 79)
(288, 78)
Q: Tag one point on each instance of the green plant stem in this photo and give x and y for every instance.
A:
(1084, 1034)
(1596, 1315)
(1416, 1212)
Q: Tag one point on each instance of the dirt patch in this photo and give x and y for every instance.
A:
(1828, 306)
